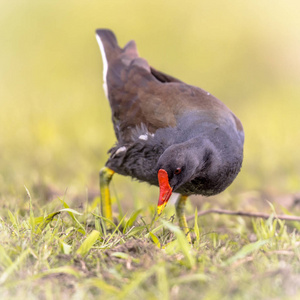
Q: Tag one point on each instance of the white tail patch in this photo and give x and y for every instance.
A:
(105, 65)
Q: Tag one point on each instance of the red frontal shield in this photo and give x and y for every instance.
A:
(165, 191)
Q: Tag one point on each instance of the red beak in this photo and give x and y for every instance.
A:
(165, 191)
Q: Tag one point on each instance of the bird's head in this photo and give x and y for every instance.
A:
(177, 166)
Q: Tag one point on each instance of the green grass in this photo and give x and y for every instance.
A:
(55, 252)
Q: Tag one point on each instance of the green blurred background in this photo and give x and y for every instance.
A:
(55, 121)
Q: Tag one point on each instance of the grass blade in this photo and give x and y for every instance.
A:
(112, 235)
(182, 243)
(200, 277)
(162, 282)
(133, 285)
(14, 265)
(131, 220)
(60, 270)
(47, 220)
(196, 228)
(31, 215)
(88, 243)
(4, 258)
(65, 248)
(13, 220)
(155, 239)
(102, 285)
(71, 212)
(246, 250)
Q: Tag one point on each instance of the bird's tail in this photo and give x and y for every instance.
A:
(108, 44)
(110, 50)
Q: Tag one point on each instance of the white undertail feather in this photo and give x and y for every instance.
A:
(105, 65)
(146, 135)
(143, 137)
(121, 149)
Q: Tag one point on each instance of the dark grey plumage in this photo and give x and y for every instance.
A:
(163, 123)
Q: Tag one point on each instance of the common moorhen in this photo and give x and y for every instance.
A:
(170, 134)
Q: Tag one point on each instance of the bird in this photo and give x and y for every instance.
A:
(170, 134)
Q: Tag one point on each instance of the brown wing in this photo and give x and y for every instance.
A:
(139, 94)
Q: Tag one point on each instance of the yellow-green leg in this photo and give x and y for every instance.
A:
(180, 207)
(106, 175)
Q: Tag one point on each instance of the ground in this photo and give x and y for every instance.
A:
(54, 251)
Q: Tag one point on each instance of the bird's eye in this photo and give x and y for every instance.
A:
(177, 171)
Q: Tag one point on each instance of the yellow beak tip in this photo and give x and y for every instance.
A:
(160, 209)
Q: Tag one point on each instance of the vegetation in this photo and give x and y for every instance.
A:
(61, 253)
(55, 131)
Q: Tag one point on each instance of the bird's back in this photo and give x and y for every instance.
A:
(139, 95)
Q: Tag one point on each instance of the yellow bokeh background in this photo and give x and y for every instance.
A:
(55, 123)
